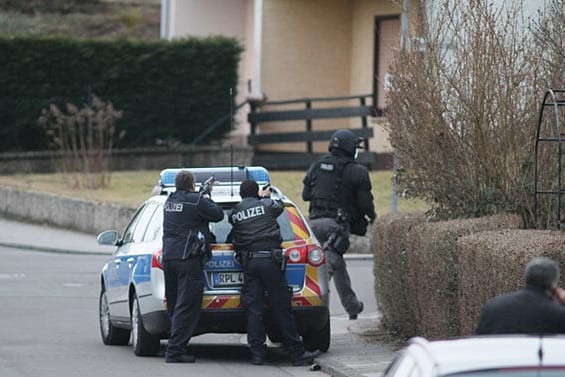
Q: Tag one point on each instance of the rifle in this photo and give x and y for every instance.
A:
(206, 187)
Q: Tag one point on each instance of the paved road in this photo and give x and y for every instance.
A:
(49, 328)
(49, 324)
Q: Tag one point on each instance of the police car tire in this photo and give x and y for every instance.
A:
(143, 343)
(318, 340)
(274, 335)
(111, 335)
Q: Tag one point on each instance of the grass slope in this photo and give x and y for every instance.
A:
(130, 188)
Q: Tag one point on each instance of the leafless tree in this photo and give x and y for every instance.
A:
(463, 108)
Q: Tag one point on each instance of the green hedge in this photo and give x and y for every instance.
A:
(167, 90)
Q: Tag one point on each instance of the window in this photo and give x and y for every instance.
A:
(403, 366)
(144, 218)
(155, 226)
(128, 233)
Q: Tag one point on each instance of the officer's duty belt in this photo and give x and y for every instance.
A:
(260, 254)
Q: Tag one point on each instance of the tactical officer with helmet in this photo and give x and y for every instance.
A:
(257, 241)
(339, 191)
(186, 239)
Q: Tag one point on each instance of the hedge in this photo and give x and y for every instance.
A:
(492, 263)
(169, 90)
(391, 269)
(417, 271)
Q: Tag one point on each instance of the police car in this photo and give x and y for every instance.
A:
(132, 301)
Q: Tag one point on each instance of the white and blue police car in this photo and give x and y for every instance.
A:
(132, 302)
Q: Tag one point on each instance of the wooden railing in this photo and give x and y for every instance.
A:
(308, 113)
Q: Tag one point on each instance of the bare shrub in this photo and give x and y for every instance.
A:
(549, 34)
(85, 137)
(463, 109)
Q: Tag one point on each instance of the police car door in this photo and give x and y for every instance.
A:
(131, 256)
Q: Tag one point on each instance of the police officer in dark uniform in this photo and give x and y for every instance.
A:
(339, 191)
(186, 238)
(257, 241)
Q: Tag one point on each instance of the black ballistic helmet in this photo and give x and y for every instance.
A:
(344, 140)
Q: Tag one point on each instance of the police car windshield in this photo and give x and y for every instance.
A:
(222, 229)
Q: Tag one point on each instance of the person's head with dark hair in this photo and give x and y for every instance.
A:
(184, 181)
(542, 272)
(249, 189)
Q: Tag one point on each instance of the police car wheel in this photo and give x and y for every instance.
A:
(318, 340)
(111, 335)
(143, 343)
(275, 338)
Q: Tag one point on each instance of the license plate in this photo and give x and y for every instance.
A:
(228, 279)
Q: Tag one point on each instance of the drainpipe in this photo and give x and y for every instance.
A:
(167, 19)
(256, 92)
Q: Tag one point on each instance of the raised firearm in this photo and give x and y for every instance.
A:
(206, 186)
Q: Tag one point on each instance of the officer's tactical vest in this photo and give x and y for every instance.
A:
(326, 183)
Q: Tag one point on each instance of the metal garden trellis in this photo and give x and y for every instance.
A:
(554, 99)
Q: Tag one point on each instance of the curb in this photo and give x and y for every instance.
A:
(336, 369)
(358, 256)
(53, 249)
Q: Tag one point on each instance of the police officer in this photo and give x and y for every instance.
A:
(339, 191)
(257, 241)
(186, 237)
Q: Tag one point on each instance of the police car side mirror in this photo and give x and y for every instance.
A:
(108, 237)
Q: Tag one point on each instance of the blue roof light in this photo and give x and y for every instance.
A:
(258, 174)
(223, 175)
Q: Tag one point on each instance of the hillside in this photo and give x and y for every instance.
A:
(139, 19)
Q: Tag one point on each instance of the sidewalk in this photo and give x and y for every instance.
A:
(354, 352)
(45, 238)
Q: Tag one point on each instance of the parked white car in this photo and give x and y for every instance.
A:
(482, 356)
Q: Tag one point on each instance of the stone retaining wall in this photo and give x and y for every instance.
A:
(69, 213)
(89, 216)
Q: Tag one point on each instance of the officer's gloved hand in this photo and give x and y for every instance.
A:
(373, 217)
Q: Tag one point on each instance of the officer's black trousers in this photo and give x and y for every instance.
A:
(183, 289)
(261, 275)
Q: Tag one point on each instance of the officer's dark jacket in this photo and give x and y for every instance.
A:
(527, 311)
(255, 224)
(354, 193)
(185, 211)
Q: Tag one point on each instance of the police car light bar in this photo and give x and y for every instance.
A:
(222, 175)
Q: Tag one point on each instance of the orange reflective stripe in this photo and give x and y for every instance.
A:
(296, 223)
(221, 302)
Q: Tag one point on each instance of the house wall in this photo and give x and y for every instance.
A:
(233, 18)
(321, 48)
(314, 48)
(306, 53)
(363, 54)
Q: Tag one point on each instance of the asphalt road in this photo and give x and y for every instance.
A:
(49, 325)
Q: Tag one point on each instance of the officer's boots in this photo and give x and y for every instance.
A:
(307, 358)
